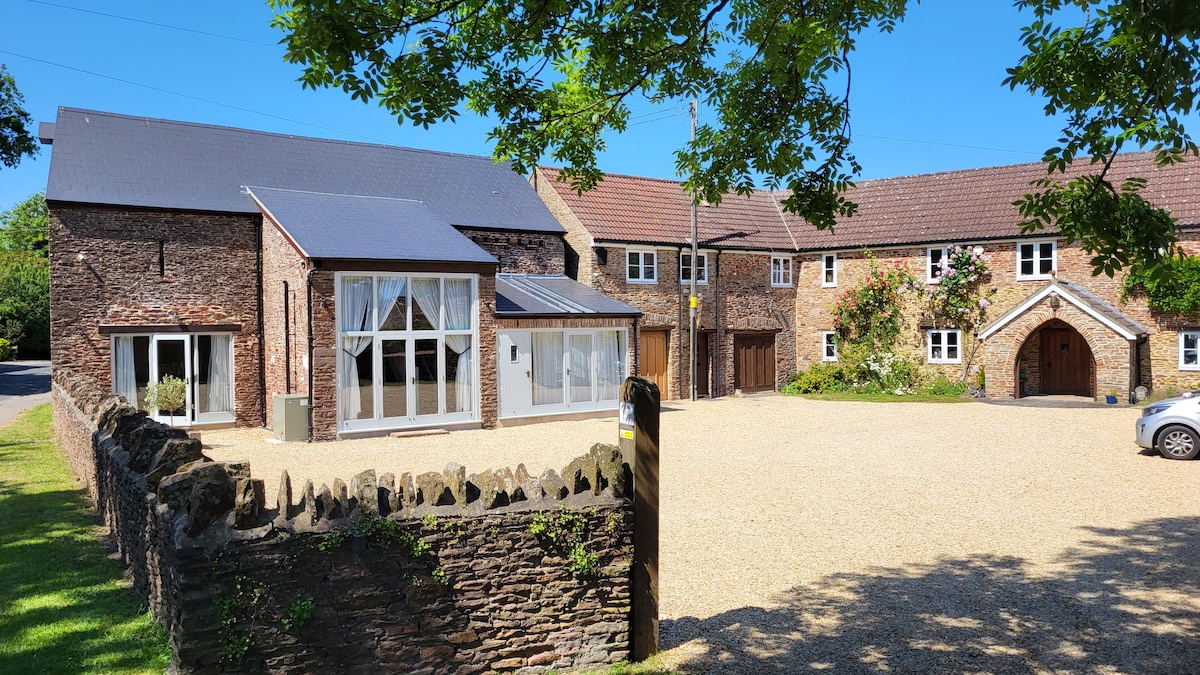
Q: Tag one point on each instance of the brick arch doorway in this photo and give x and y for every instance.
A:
(1055, 359)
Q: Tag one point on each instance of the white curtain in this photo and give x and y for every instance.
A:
(219, 357)
(390, 289)
(458, 317)
(464, 378)
(427, 293)
(608, 365)
(355, 316)
(125, 380)
(547, 368)
(580, 348)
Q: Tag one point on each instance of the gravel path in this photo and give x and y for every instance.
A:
(854, 537)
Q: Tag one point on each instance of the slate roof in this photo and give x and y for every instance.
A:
(655, 211)
(529, 295)
(105, 158)
(955, 206)
(384, 228)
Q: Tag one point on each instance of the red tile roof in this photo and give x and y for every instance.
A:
(954, 206)
(657, 211)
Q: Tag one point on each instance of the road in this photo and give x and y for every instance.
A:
(23, 384)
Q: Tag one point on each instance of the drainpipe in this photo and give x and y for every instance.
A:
(308, 303)
(637, 354)
(716, 384)
(287, 338)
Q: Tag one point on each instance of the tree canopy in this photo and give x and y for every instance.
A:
(26, 227)
(15, 139)
(556, 75)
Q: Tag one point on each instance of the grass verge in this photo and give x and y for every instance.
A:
(886, 398)
(63, 606)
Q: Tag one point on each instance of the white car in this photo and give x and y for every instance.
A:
(1172, 426)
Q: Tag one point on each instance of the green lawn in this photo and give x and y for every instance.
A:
(886, 398)
(63, 606)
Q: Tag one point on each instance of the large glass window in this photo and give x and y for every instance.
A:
(545, 371)
(203, 361)
(407, 349)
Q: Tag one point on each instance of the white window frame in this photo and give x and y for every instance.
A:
(829, 264)
(828, 339)
(642, 254)
(1037, 258)
(193, 415)
(942, 334)
(597, 400)
(933, 271)
(686, 267)
(781, 271)
(410, 335)
(1183, 335)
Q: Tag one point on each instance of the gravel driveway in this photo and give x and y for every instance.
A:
(855, 537)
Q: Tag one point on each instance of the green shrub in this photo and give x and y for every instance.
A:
(6, 350)
(890, 373)
(820, 378)
(943, 386)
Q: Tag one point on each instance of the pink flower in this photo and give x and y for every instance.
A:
(984, 304)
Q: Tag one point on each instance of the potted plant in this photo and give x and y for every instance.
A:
(166, 395)
(1111, 398)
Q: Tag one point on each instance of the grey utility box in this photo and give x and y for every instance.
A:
(290, 422)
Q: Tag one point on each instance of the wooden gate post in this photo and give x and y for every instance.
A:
(638, 441)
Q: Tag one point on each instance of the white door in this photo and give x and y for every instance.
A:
(516, 373)
(170, 355)
(579, 368)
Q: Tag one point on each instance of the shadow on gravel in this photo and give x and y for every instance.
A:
(1126, 600)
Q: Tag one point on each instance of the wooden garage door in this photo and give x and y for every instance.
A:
(652, 358)
(754, 362)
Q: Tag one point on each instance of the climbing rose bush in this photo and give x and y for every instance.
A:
(870, 316)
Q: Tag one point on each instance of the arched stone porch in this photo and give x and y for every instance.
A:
(1086, 334)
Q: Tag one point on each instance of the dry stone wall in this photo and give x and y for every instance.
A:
(440, 572)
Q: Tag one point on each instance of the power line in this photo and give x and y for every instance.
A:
(153, 23)
(949, 145)
(194, 98)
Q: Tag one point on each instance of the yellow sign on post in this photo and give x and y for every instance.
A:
(693, 302)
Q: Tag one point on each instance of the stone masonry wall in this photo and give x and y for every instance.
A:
(522, 252)
(813, 304)
(285, 333)
(441, 572)
(104, 269)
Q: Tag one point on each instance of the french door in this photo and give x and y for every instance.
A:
(170, 356)
(203, 362)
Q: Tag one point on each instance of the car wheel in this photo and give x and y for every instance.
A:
(1178, 442)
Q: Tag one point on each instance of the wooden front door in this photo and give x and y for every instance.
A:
(652, 358)
(1066, 362)
(754, 362)
(702, 363)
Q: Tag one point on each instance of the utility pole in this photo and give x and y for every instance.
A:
(692, 301)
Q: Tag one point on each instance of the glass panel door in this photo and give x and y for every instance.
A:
(169, 357)
(395, 378)
(548, 368)
(426, 373)
(579, 371)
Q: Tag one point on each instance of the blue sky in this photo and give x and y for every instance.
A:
(925, 98)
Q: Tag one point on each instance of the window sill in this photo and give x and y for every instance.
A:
(642, 281)
(781, 285)
(1036, 277)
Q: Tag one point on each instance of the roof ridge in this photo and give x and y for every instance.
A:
(275, 134)
(331, 194)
